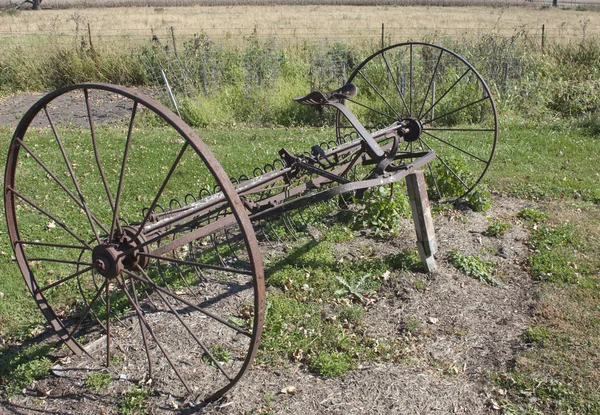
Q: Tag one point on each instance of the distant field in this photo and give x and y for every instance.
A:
(170, 3)
(304, 22)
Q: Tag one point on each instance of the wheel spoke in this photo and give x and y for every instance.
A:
(456, 110)
(96, 153)
(61, 184)
(87, 309)
(144, 339)
(445, 93)
(140, 315)
(371, 109)
(61, 261)
(198, 264)
(73, 177)
(194, 306)
(488, 130)
(178, 316)
(49, 215)
(162, 188)
(107, 325)
(37, 243)
(440, 158)
(115, 220)
(410, 97)
(378, 93)
(395, 82)
(457, 148)
(430, 83)
(65, 279)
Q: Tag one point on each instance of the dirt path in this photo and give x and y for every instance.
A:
(467, 331)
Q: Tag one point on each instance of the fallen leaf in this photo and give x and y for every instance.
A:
(288, 390)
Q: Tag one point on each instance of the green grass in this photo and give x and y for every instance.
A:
(97, 382)
(546, 161)
(474, 267)
(19, 366)
(135, 401)
(315, 318)
(497, 228)
(558, 371)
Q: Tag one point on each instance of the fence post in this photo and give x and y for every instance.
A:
(382, 35)
(174, 43)
(543, 37)
(90, 37)
(204, 63)
(419, 203)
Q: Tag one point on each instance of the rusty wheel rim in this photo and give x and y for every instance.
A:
(95, 234)
(445, 96)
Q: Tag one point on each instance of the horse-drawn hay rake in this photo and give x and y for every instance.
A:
(145, 235)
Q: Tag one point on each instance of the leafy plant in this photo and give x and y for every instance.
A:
(380, 210)
(473, 267)
(350, 313)
(330, 363)
(221, 354)
(497, 228)
(135, 402)
(538, 334)
(98, 381)
(532, 215)
(355, 289)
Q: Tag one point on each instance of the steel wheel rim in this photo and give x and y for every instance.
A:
(17, 197)
(400, 64)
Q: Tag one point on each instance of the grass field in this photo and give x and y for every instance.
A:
(307, 22)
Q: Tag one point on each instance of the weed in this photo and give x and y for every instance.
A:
(116, 359)
(330, 363)
(473, 267)
(221, 354)
(407, 260)
(544, 395)
(355, 289)
(555, 256)
(98, 381)
(419, 285)
(496, 229)
(350, 313)
(135, 402)
(381, 210)
(538, 334)
(411, 324)
(532, 216)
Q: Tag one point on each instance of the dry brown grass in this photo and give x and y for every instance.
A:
(306, 22)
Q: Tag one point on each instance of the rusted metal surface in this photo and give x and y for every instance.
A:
(138, 256)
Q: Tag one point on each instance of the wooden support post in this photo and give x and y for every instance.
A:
(419, 203)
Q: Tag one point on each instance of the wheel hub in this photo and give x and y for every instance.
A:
(109, 259)
(412, 129)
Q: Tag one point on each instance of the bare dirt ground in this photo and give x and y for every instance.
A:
(464, 332)
(468, 331)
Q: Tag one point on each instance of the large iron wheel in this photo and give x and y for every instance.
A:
(446, 96)
(112, 256)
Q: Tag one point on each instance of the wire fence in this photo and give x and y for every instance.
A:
(203, 63)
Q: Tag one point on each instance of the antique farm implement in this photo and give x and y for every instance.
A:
(135, 226)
